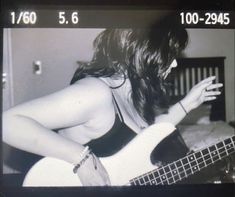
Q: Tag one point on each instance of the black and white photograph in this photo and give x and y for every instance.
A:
(118, 106)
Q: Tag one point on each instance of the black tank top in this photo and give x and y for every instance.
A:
(116, 138)
(169, 149)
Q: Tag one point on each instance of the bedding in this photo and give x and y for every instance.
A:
(207, 124)
(198, 136)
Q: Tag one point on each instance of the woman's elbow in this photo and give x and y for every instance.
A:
(8, 126)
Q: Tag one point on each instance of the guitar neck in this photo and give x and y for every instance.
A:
(188, 165)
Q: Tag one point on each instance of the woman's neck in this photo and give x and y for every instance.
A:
(121, 87)
(123, 94)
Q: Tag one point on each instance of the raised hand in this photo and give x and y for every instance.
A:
(205, 90)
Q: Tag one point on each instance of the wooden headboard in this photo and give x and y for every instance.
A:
(189, 72)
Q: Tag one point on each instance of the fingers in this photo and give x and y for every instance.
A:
(212, 93)
(210, 98)
(214, 86)
(207, 85)
(207, 80)
(203, 86)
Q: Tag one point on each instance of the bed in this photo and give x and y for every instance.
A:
(207, 124)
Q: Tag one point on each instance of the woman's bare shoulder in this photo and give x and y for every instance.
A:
(70, 106)
(94, 87)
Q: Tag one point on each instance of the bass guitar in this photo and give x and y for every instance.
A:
(132, 165)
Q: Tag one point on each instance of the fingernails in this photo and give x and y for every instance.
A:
(219, 85)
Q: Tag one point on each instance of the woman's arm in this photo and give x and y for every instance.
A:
(29, 126)
(201, 92)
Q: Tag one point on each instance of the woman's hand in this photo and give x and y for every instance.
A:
(93, 173)
(201, 92)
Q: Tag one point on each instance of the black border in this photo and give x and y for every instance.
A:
(169, 4)
(207, 190)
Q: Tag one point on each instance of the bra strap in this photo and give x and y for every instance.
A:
(118, 109)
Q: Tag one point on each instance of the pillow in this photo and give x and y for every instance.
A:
(200, 115)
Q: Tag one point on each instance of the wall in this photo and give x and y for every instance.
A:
(217, 42)
(58, 49)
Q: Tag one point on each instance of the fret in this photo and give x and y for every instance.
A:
(230, 149)
(180, 167)
(169, 175)
(216, 152)
(221, 149)
(213, 153)
(152, 179)
(186, 166)
(174, 171)
(233, 141)
(149, 180)
(200, 160)
(229, 145)
(203, 158)
(162, 176)
(196, 159)
(141, 181)
(194, 164)
(165, 176)
(146, 179)
(137, 181)
(168, 171)
(158, 178)
(132, 182)
(207, 156)
(190, 164)
(177, 169)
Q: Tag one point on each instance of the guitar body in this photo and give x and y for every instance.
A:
(130, 162)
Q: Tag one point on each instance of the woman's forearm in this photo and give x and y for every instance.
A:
(175, 114)
(26, 134)
(205, 90)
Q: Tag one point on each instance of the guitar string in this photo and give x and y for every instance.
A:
(229, 144)
(181, 177)
(191, 170)
(232, 142)
(183, 165)
(170, 172)
(212, 161)
(210, 158)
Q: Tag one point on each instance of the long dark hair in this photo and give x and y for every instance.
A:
(141, 55)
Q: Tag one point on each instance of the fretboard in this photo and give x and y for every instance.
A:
(188, 165)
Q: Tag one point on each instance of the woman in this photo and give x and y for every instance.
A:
(121, 91)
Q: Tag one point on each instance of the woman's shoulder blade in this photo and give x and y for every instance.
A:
(94, 87)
